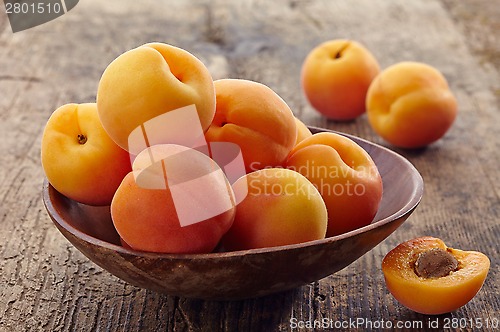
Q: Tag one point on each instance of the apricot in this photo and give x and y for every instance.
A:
(148, 82)
(79, 159)
(345, 175)
(302, 131)
(176, 200)
(410, 105)
(255, 118)
(428, 277)
(279, 207)
(336, 76)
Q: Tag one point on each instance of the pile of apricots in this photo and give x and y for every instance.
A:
(191, 165)
(150, 147)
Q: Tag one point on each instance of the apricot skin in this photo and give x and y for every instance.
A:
(281, 207)
(302, 131)
(176, 200)
(336, 76)
(344, 174)
(255, 118)
(148, 81)
(79, 159)
(146, 220)
(410, 105)
(433, 296)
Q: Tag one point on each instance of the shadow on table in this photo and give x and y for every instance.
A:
(268, 313)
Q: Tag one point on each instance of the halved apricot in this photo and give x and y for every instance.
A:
(428, 277)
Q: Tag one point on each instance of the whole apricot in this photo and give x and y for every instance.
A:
(345, 175)
(255, 118)
(79, 158)
(176, 200)
(410, 105)
(336, 76)
(278, 207)
(428, 277)
(148, 82)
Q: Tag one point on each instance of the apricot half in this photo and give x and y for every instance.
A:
(428, 277)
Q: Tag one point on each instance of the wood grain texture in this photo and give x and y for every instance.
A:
(47, 285)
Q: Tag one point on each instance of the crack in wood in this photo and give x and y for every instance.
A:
(31, 79)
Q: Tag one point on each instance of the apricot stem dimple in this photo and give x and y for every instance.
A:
(178, 77)
(435, 263)
(339, 52)
(82, 139)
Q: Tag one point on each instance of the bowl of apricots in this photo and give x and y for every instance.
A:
(209, 189)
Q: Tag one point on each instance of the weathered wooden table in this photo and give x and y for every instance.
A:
(47, 285)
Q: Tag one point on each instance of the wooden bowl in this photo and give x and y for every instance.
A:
(239, 274)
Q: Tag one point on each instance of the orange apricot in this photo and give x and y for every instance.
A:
(176, 200)
(345, 175)
(79, 158)
(336, 76)
(277, 207)
(141, 86)
(255, 118)
(410, 105)
(428, 277)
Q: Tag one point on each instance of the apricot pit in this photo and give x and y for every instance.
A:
(435, 263)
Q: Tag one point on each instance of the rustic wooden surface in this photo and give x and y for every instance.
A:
(47, 285)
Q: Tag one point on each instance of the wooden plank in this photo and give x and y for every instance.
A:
(49, 286)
